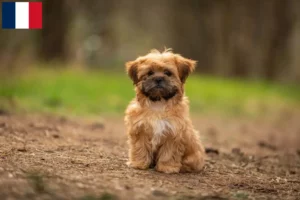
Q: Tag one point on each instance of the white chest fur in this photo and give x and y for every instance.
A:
(160, 127)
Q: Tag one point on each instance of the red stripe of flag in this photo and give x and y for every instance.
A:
(35, 15)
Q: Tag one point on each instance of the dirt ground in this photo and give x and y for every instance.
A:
(51, 157)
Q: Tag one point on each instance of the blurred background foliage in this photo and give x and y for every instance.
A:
(247, 53)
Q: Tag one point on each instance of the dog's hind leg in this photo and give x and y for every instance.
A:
(192, 162)
(194, 157)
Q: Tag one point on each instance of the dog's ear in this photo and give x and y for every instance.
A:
(131, 68)
(185, 66)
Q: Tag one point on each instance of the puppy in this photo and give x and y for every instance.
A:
(160, 132)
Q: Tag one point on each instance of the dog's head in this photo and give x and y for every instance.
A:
(159, 76)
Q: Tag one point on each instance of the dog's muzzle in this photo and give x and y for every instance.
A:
(157, 88)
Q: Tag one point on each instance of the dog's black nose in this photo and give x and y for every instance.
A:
(158, 80)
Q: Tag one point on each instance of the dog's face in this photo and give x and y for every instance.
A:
(159, 76)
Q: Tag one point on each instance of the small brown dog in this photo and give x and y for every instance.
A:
(159, 127)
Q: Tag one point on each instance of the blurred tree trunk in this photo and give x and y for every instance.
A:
(221, 31)
(98, 42)
(277, 54)
(192, 31)
(294, 41)
(56, 21)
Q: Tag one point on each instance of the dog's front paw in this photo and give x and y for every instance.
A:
(138, 165)
(168, 169)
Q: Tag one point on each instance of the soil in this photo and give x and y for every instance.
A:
(52, 157)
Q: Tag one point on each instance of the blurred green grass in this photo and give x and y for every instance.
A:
(78, 92)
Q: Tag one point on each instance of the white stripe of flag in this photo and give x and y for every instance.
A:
(22, 15)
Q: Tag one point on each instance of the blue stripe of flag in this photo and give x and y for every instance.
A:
(8, 15)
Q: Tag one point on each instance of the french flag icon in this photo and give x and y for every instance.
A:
(22, 15)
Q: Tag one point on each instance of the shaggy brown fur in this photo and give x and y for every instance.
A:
(160, 131)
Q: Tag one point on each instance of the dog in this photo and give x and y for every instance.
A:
(160, 131)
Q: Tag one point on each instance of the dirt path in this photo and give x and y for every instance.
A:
(46, 157)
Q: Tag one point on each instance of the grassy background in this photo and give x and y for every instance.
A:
(79, 92)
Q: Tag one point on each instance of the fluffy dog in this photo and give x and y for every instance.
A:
(160, 131)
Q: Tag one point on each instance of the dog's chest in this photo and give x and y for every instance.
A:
(161, 128)
(156, 124)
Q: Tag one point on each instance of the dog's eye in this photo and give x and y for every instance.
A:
(167, 72)
(150, 73)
